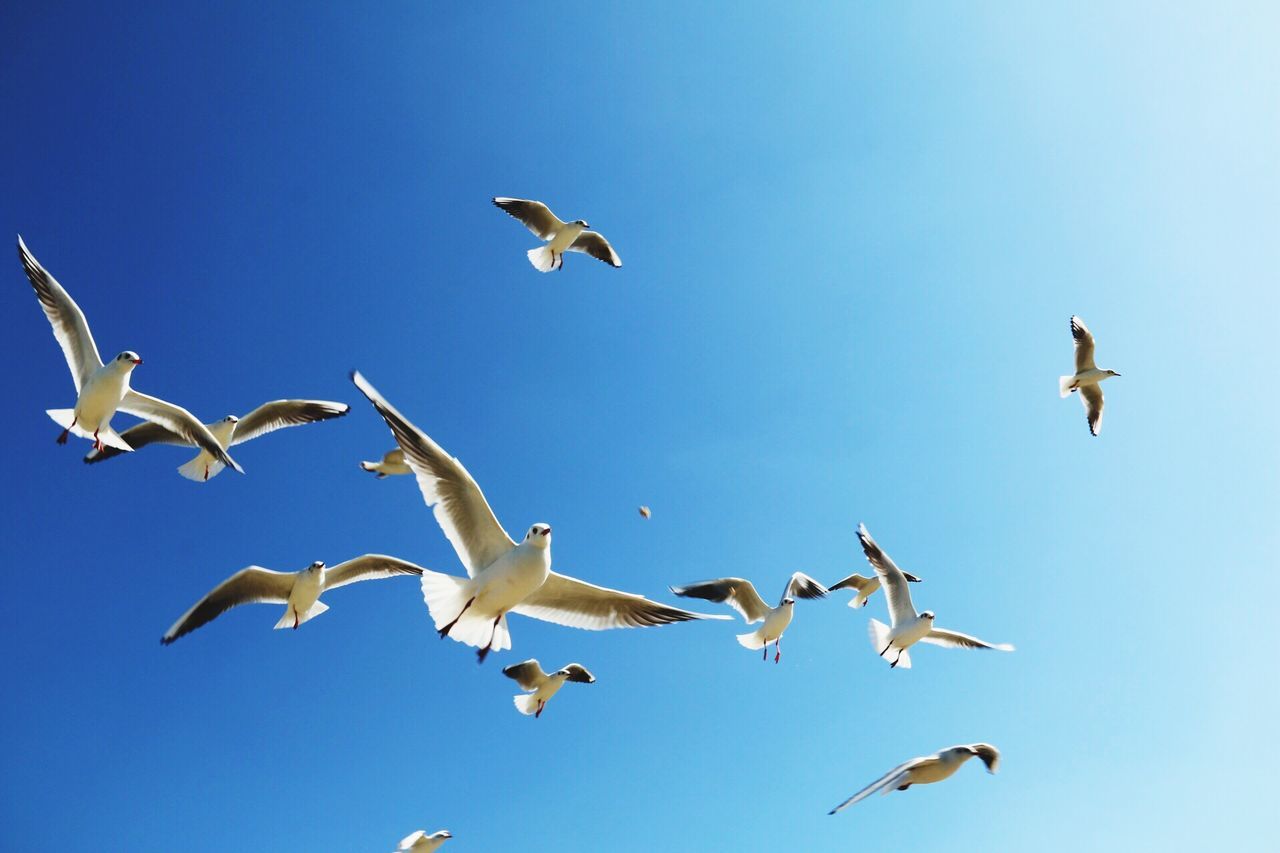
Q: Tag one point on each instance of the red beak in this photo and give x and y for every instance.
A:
(137, 361)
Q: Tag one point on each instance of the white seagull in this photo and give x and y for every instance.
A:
(392, 464)
(561, 237)
(102, 389)
(864, 587)
(908, 627)
(742, 597)
(229, 432)
(420, 842)
(925, 770)
(502, 576)
(299, 591)
(529, 675)
(1088, 378)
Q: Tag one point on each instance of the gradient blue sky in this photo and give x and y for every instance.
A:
(852, 238)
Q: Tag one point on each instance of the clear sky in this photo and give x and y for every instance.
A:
(852, 239)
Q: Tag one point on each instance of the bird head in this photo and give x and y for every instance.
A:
(788, 600)
(581, 222)
(231, 419)
(317, 566)
(539, 535)
(1112, 373)
(928, 614)
(442, 834)
(129, 359)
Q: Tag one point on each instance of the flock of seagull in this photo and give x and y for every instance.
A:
(503, 576)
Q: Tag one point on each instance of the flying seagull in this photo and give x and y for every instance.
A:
(864, 587)
(392, 463)
(102, 389)
(742, 597)
(502, 576)
(229, 432)
(645, 512)
(529, 675)
(925, 770)
(420, 842)
(908, 627)
(561, 237)
(1088, 378)
(299, 591)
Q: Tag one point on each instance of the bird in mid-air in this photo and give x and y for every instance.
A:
(502, 576)
(392, 464)
(529, 675)
(229, 432)
(742, 597)
(420, 842)
(299, 591)
(645, 512)
(864, 587)
(561, 237)
(103, 389)
(909, 627)
(1088, 377)
(926, 769)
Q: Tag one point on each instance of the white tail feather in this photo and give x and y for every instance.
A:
(526, 704)
(445, 596)
(752, 640)
(879, 633)
(65, 418)
(859, 600)
(287, 620)
(1064, 385)
(544, 260)
(203, 467)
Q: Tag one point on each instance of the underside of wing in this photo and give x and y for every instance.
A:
(1084, 345)
(595, 245)
(528, 674)
(252, 585)
(138, 436)
(1091, 398)
(178, 421)
(69, 325)
(578, 604)
(738, 593)
(366, 568)
(278, 414)
(956, 640)
(535, 215)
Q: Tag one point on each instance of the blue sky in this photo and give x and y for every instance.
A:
(852, 239)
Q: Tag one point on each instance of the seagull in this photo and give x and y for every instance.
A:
(229, 432)
(502, 576)
(865, 587)
(561, 237)
(925, 770)
(392, 463)
(102, 389)
(908, 627)
(299, 591)
(645, 512)
(529, 676)
(1088, 378)
(420, 842)
(742, 597)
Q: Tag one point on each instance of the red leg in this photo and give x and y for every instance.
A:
(295, 618)
(777, 647)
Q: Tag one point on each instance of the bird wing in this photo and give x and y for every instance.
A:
(367, 568)
(1091, 398)
(989, 754)
(535, 215)
(578, 604)
(738, 593)
(247, 586)
(595, 245)
(459, 505)
(406, 843)
(178, 421)
(879, 783)
(891, 578)
(854, 581)
(802, 586)
(278, 414)
(138, 436)
(393, 457)
(956, 640)
(1084, 345)
(69, 325)
(528, 674)
(579, 673)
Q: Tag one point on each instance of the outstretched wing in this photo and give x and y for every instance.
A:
(891, 578)
(535, 215)
(1091, 397)
(989, 754)
(956, 640)
(578, 604)
(528, 674)
(278, 414)
(248, 586)
(802, 586)
(1084, 345)
(69, 325)
(367, 568)
(595, 245)
(139, 436)
(459, 505)
(579, 673)
(178, 421)
(880, 783)
(738, 593)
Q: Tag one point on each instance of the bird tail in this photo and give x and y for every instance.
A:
(879, 633)
(65, 418)
(286, 621)
(544, 260)
(526, 704)
(373, 468)
(1064, 385)
(446, 596)
(859, 600)
(751, 640)
(201, 468)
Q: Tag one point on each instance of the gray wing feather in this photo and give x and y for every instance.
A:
(880, 783)
(595, 245)
(1091, 397)
(285, 413)
(738, 593)
(139, 436)
(535, 215)
(802, 586)
(251, 585)
(528, 674)
(1084, 345)
(366, 568)
(579, 673)
(891, 578)
(956, 640)
(69, 325)
(577, 604)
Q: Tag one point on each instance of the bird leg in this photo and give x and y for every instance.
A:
(885, 649)
(895, 660)
(444, 632)
(295, 618)
(97, 442)
(484, 653)
(538, 713)
(777, 647)
(62, 439)
(765, 656)
(206, 472)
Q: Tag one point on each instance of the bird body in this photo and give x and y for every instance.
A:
(391, 464)
(420, 842)
(772, 629)
(530, 676)
(561, 236)
(1087, 378)
(926, 770)
(98, 401)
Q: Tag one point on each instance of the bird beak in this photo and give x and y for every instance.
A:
(137, 361)
(547, 532)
